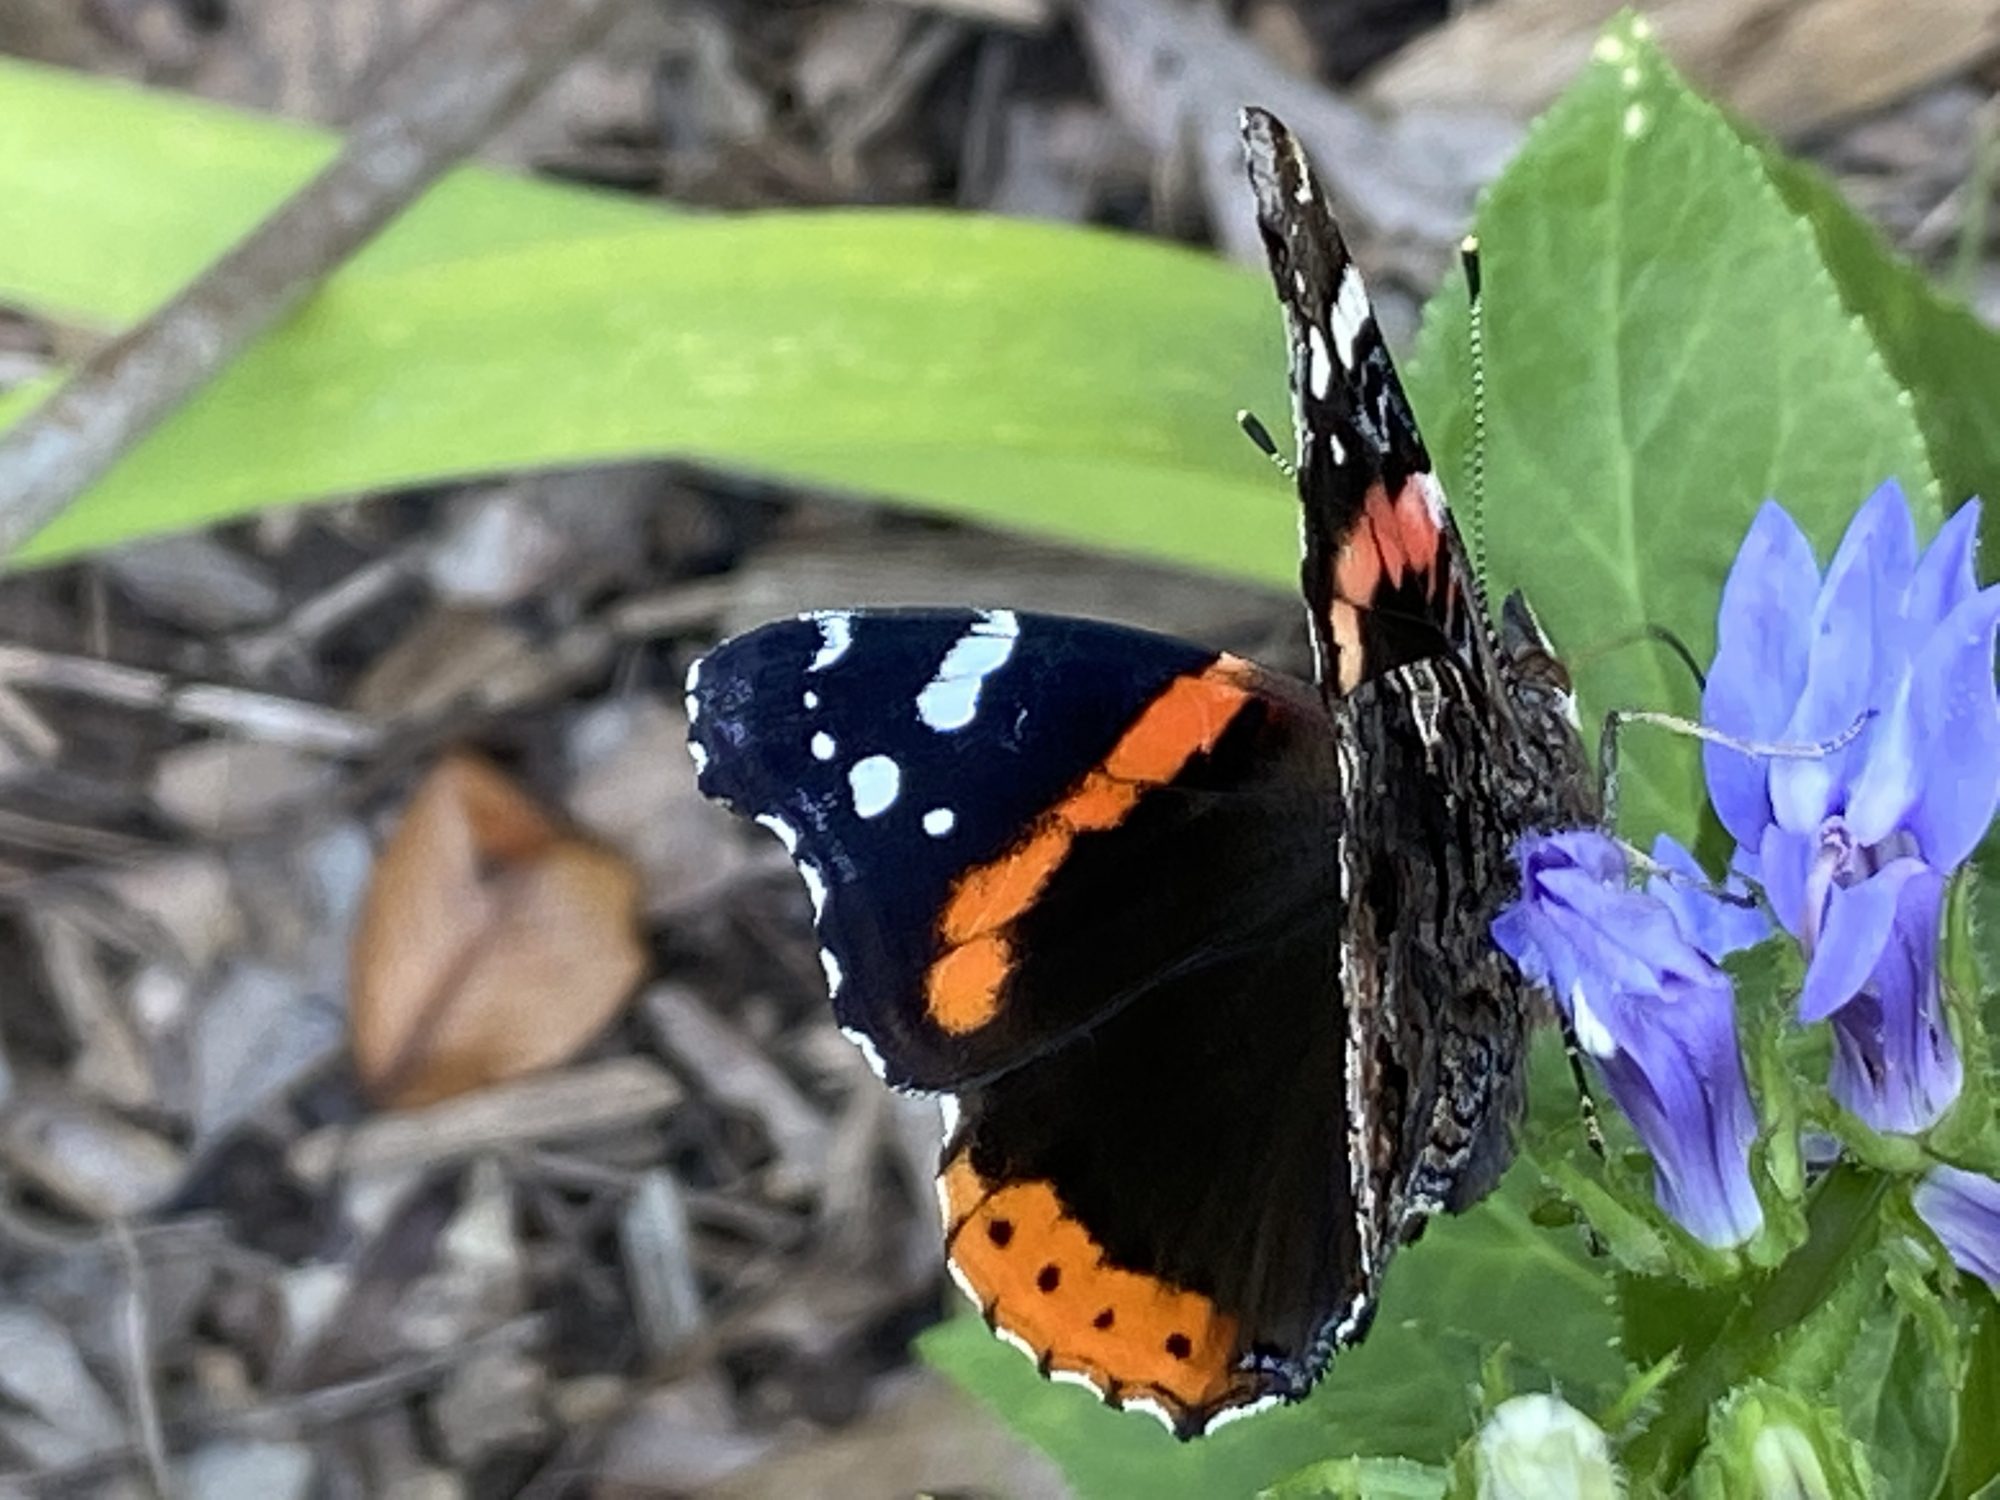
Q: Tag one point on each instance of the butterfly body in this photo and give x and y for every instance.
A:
(1198, 951)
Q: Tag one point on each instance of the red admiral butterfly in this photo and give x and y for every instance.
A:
(1196, 952)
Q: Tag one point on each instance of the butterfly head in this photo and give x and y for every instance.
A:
(1542, 698)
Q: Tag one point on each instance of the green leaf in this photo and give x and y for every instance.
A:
(1470, 1285)
(1975, 1460)
(1945, 357)
(1897, 1387)
(1060, 380)
(1664, 350)
(131, 192)
(1799, 1319)
(1363, 1479)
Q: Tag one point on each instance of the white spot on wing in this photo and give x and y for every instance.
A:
(948, 1110)
(787, 835)
(958, 1277)
(1014, 1340)
(698, 753)
(1154, 1410)
(692, 705)
(1350, 311)
(823, 746)
(833, 975)
(872, 1057)
(811, 699)
(1319, 364)
(815, 887)
(874, 780)
(836, 634)
(694, 674)
(1433, 496)
(950, 700)
(940, 821)
(1077, 1377)
(1237, 1413)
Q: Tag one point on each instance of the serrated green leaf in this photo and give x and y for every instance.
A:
(1945, 357)
(1664, 350)
(1897, 1391)
(1474, 1283)
(1788, 1327)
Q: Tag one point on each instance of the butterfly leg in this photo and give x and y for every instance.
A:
(1586, 1097)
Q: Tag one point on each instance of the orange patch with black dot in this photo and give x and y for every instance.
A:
(962, 989)
(1039, 1276)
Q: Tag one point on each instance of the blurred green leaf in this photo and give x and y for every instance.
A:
(118, 195)
(1363, 1479)
(1059, 380)
(1664, 350)
(1471, 1285)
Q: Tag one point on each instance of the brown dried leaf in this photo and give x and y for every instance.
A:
(491, 943)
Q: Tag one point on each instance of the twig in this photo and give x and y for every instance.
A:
(136, 1330)
(291, 721)
(289, 1418)
(479, 64)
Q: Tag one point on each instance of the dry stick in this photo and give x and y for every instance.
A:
(470, 72)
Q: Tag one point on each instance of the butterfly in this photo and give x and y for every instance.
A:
(1195, 952)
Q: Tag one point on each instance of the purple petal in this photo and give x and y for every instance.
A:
(1678, 1076)
(1855, 628)
(1760, 661)
(1850, 943)
(1657, 1015)
(1894, 1064)
(1886, 776)
(1963, 1210)
(1955, 721)
(1716, 926)
(1944, 578)
(1782, 864)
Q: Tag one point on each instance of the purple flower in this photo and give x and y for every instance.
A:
(1853, 846)
(1635, 972)
(1963, 1210)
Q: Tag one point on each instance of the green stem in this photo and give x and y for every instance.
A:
(1838, 1227)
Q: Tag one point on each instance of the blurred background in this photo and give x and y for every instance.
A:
(331, 1162)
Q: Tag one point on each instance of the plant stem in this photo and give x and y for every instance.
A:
(1839, 1224)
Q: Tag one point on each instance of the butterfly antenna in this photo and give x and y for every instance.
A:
(1475, 345)
(1260, 435)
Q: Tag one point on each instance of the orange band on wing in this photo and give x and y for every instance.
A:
(1186, 719)
(1039, 1275)
(1391, 538)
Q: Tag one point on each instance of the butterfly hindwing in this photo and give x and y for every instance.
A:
(980, 803)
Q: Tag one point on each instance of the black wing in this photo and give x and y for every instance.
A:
(1013, 826)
